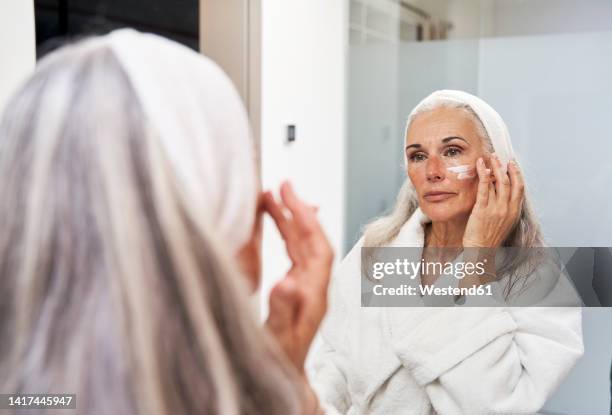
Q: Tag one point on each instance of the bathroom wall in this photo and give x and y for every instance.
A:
(17, 45)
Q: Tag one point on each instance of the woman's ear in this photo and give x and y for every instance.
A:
(249, 255)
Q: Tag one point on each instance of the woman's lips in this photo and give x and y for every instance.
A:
(438, 196)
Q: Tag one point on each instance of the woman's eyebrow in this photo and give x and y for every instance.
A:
(447, 139)
(444, 140)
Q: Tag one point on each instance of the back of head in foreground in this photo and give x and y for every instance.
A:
(127, 177)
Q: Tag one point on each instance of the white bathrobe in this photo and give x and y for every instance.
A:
(445, 360)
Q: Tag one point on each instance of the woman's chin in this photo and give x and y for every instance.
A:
(442, 212)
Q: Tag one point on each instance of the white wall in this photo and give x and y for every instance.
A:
(17, 45)
(303, 49)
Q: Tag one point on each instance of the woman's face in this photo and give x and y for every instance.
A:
(436, 141)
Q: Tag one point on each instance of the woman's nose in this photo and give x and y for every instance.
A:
(435, 169)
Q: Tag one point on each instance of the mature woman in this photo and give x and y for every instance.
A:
(464, 192)
(128, 203)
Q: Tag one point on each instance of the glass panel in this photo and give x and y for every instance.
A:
(553, 91)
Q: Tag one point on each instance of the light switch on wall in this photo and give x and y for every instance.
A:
(290, 133)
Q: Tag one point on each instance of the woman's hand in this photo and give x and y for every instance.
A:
(299, 301)
(496, 211)
(498, 204)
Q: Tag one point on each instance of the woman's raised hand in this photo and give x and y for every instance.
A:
(498, 204)
(299, 301)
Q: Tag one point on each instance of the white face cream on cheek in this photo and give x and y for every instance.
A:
(464, 172)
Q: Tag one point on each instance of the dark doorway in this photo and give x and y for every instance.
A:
(61, 21)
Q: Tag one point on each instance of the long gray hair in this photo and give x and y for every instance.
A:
(112, 287)
(525, 234)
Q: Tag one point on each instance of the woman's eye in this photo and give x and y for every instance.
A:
(417, 157)
(452, 152)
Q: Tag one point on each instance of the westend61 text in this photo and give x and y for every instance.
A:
(431, 290)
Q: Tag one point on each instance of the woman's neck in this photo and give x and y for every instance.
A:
(448, 233)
